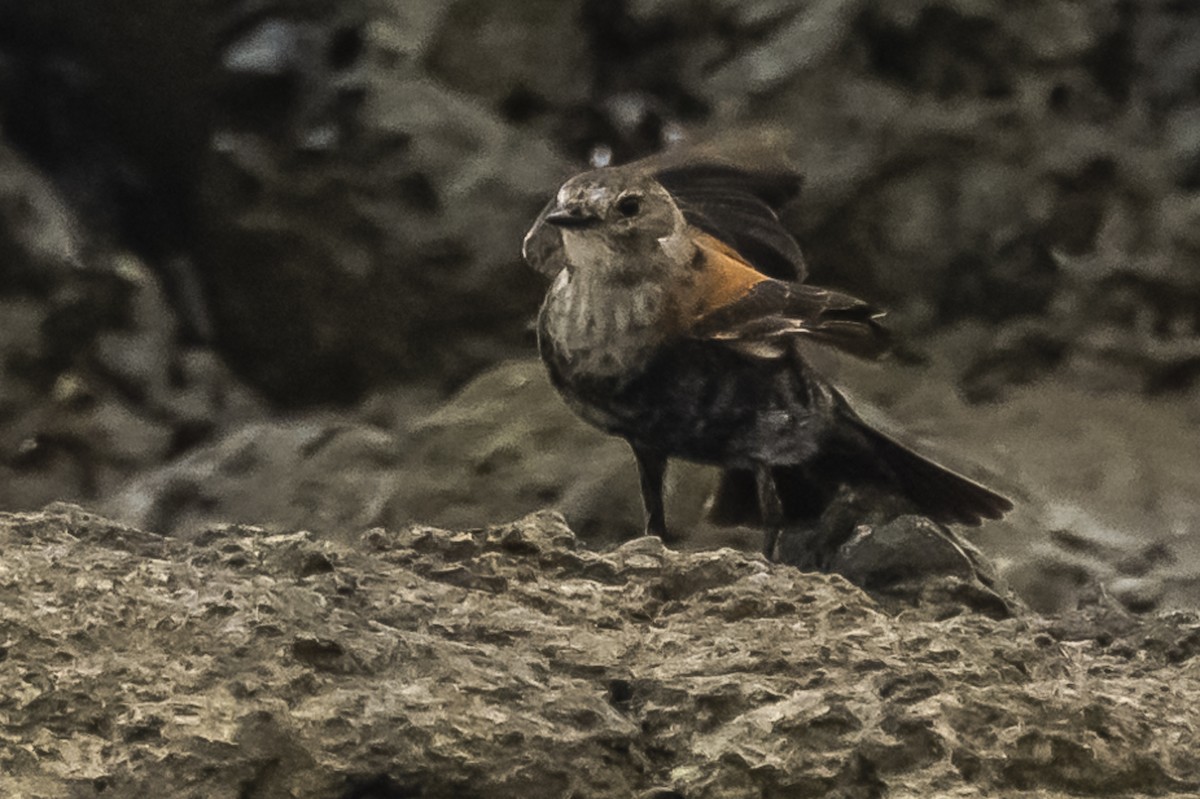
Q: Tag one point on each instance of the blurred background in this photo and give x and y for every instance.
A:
(260, 259)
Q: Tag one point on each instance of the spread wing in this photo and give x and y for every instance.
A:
(734, 303)
(740, 207)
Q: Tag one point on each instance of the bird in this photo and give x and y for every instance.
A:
(676, 319)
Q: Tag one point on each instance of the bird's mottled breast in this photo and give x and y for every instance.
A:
(598, 329)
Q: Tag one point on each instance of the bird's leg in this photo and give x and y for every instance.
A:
(652, 469)
(770, 506)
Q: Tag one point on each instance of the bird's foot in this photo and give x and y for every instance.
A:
(663, 533)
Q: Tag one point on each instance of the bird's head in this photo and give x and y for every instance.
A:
(611, 219)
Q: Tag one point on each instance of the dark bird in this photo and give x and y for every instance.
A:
(674, 320)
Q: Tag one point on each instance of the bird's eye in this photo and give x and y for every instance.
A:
(630, 205)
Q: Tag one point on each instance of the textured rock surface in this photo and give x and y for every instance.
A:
(351, 179)
(387, 247)
(323, 473)
(503, 446)
(504, 661)
(94, 384)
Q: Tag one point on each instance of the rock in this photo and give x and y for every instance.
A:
(506, 660)
(910, 558)
(321, 473)
(347, 181)
(332, 273)
(408, 29)
(800, 40)
(95, 383)
(1139, 594)
(326, 195)
(505, 445)
(523, 70)
(39, 233)
(502, 447)
(111, 101)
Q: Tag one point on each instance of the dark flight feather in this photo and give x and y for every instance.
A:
(937, 492)
(774, 311)
(941, 494)
(740, 207)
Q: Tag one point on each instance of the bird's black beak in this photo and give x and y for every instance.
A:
(574, 217)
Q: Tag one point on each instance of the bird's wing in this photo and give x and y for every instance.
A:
(732, 302)
(740, 207)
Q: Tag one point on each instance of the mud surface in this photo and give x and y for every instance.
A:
(508, 660)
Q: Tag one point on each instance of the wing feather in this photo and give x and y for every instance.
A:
(734, 303)
(740, 207)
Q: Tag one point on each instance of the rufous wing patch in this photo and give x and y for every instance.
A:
(722, 277)
(730, 301)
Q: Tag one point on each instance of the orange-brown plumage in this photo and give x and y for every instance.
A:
(721, 277)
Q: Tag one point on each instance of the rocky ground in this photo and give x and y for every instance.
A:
(259, 274)
(508, 660)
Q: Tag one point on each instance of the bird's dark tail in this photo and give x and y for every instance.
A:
(941, 494)
(864, 455)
